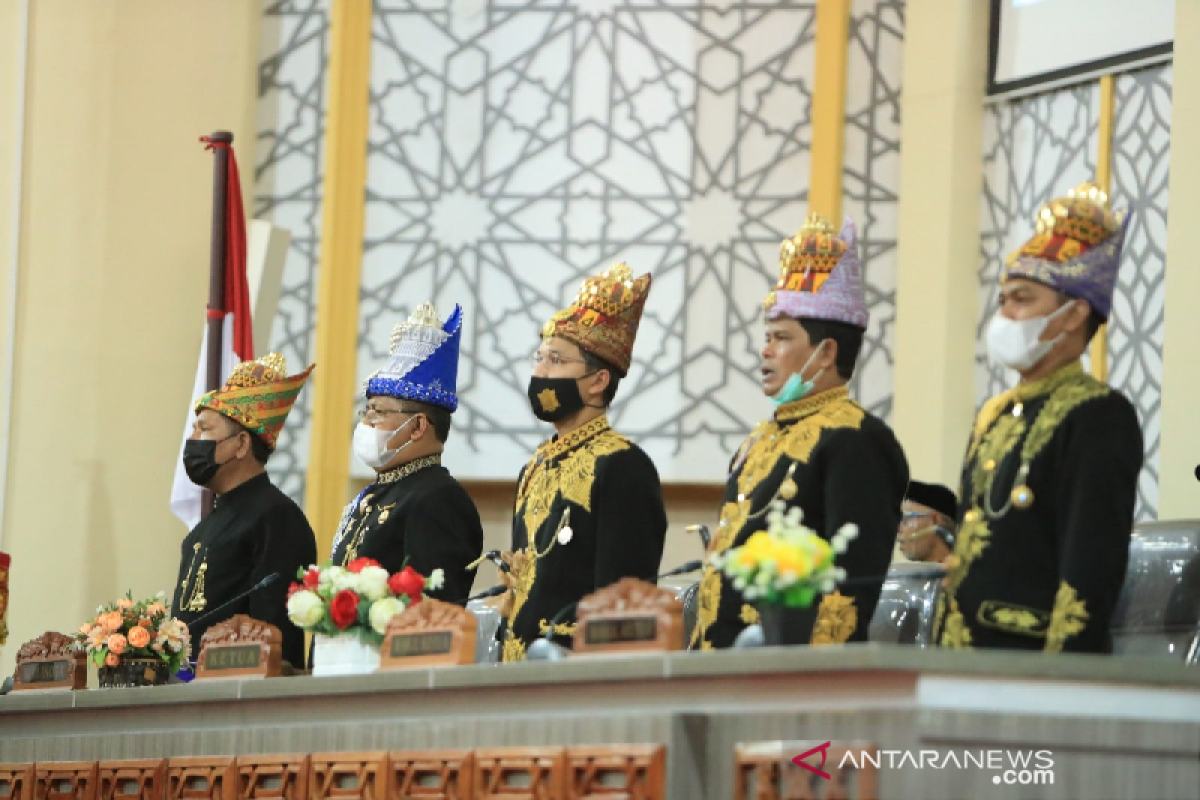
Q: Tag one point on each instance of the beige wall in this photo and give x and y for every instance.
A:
(114, 263)
(937, 291)
(1179, 494)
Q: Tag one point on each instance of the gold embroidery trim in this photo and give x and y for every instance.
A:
(837, 619)
(1069, 617)
(1011, 618)
(955, 635)
(807, 406)
(514, 650)
(759, 454)
(561, 629)
(750, 615)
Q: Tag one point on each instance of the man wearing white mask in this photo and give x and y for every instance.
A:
(415, 512)
(820, 450)
(1050, 476)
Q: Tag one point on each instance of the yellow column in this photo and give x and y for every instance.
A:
(1104, 181)
(340, 265)
(937, 293)
(1179, 494)
(829, 109)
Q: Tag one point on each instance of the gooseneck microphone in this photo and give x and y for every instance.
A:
(265, 582)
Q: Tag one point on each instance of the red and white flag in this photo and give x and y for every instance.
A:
(237, 334)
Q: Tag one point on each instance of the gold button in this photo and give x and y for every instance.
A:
(989, 465)
(972, 516)
(1018, 409)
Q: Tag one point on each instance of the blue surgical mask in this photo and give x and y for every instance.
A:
(796, 387)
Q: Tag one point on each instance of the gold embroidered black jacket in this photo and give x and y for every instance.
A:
(847, 467)
(420, 513)
(253, 531)
(1048, 491)
(605, 490)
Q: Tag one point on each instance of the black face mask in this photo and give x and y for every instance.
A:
(200, 460)
(553, 399)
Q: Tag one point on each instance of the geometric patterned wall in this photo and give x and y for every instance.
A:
(514, 149)
(1141, 159)
(517, 148)
(871, 181)
(287, 192)
(1038, 147)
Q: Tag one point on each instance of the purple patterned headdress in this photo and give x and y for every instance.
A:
(820, 276)
(1076, 248)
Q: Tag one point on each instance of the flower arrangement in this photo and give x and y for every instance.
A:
(134, 630)
(787, 564)
(360, 598)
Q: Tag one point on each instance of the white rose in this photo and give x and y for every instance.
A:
(437, 579)
(305, 608)
(382, 612)
(346, 580)
(373, 583)
(327, 576)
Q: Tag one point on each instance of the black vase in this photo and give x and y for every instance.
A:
(784, 625)
(134, 672)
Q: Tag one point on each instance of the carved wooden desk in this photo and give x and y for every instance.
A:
(1118, 725)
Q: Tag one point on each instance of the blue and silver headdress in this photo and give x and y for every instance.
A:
(424, 360)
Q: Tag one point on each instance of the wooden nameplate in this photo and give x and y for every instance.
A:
(50, 663)
(627, 617)
(240, 647)
(429, 634)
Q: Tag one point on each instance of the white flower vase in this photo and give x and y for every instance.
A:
(343, 655)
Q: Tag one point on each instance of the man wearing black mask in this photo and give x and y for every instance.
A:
(255, 530)
(589, 507)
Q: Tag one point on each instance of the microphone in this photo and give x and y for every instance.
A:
(545, 649)
(265, 582)
(492, 592)
(683, 569)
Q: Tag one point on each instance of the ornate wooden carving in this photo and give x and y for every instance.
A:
(629, 616)
(629, 771)
(240, 647)
(428, 634)
(133, 780)
(65, 780)
(348, 776)
(284, 777)
(512, 773)
(764, 771)
(431, 775)
(49, 663)
(16, 781)
(202, 778)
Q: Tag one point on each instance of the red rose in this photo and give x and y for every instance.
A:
(408, 581)
(295, 587)
(343, 610)
(311, 578)
(359, 564)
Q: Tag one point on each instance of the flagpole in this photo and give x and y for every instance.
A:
(216, 270)
(216, 261)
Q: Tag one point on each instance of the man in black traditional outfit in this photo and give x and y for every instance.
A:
(820, 451)
(254, 530)
(414, 513)
(589, 508)
(1050, 477)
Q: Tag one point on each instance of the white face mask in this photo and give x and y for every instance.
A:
(1017, 344)
(370, 444)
